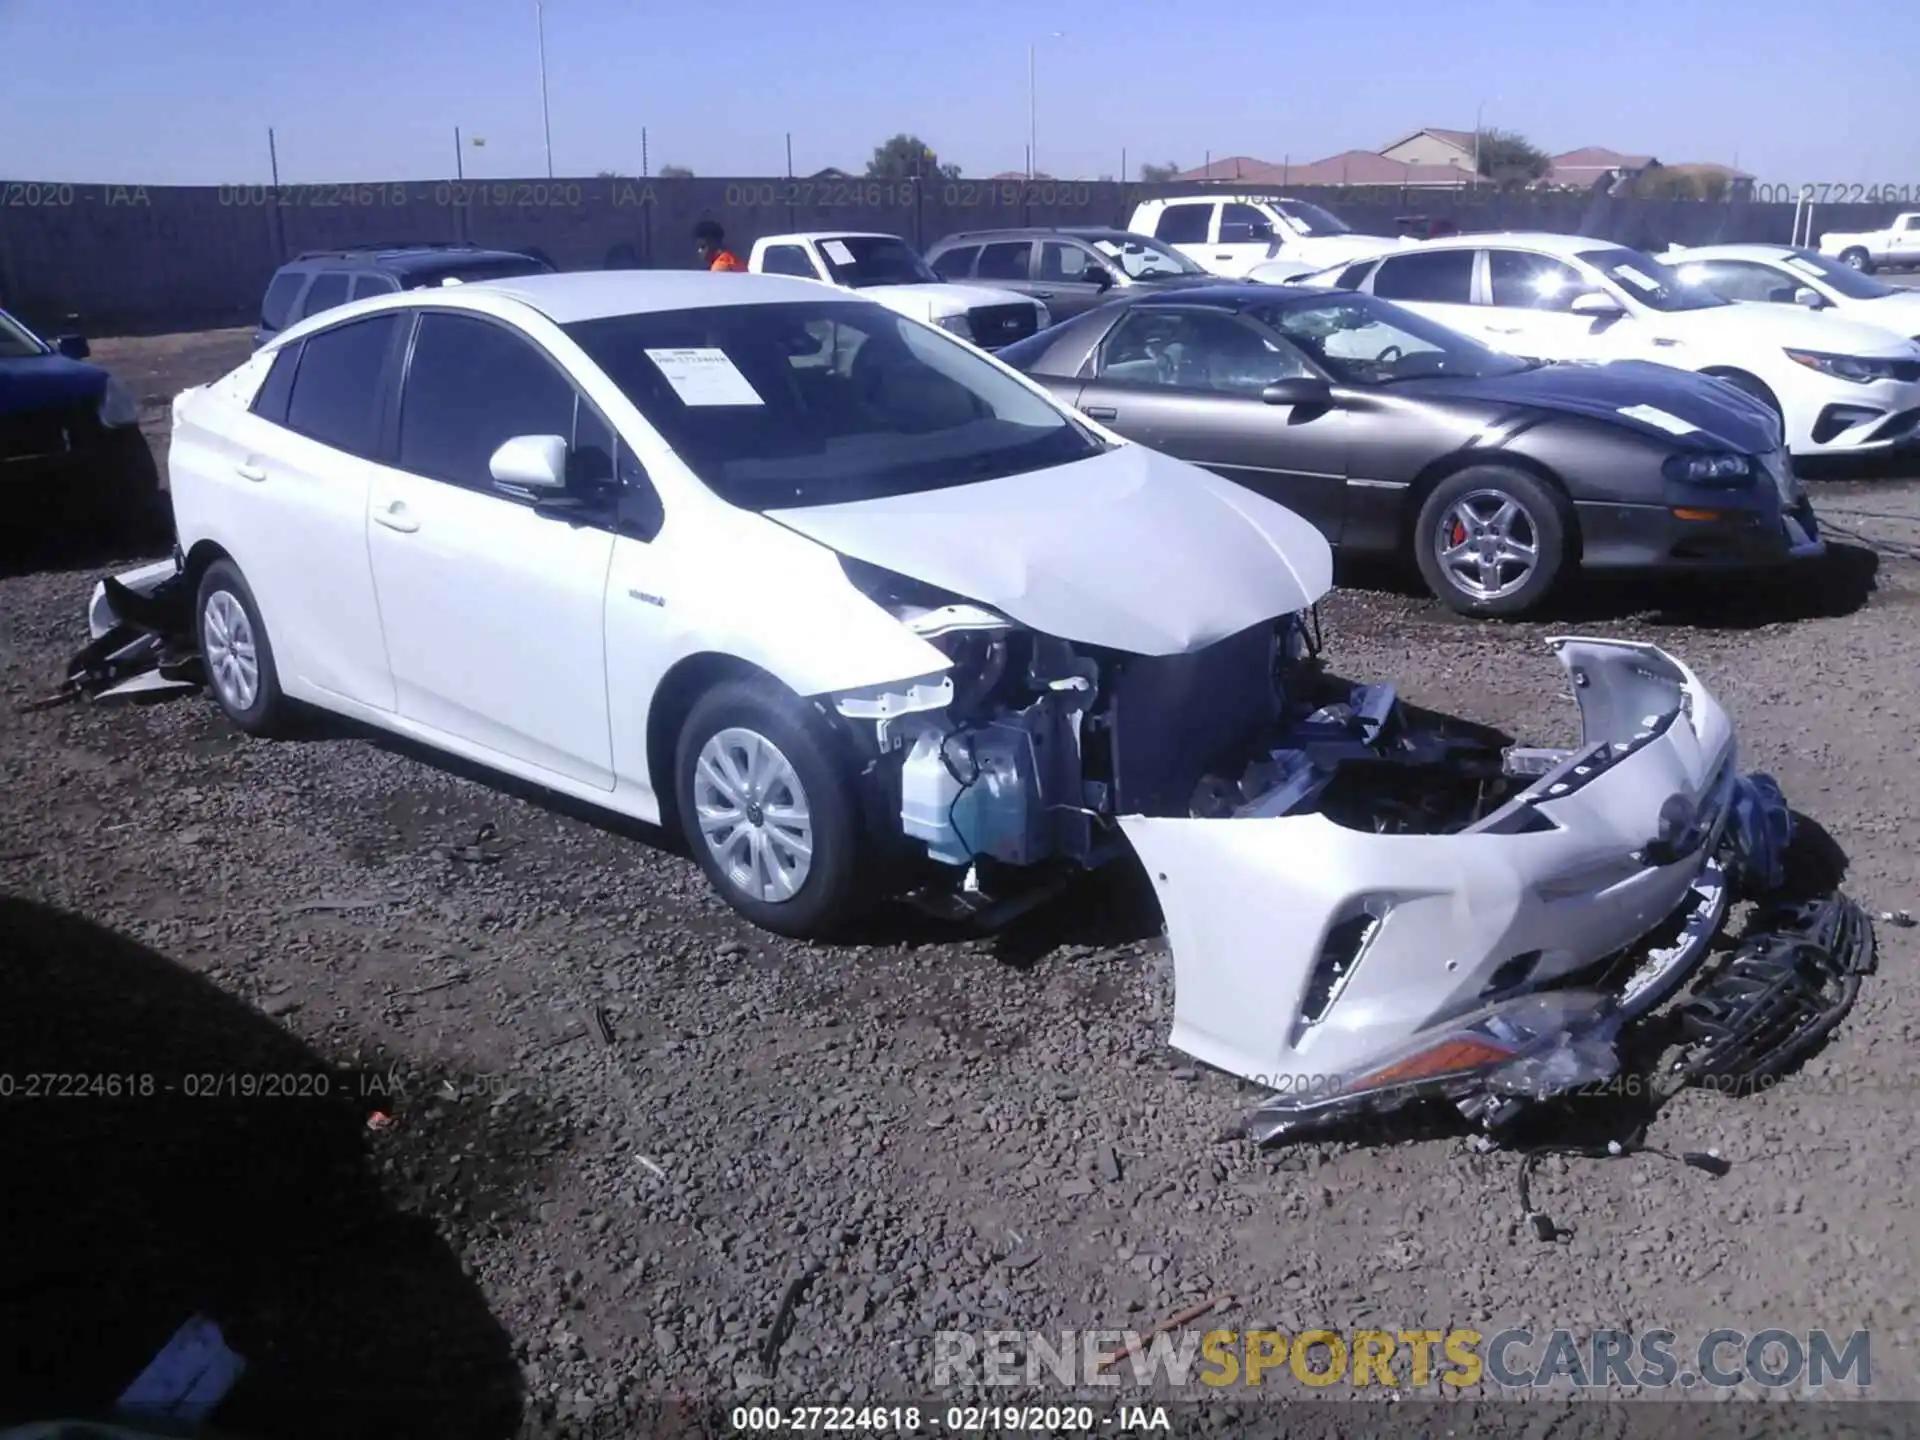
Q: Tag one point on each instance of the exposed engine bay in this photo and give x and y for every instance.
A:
(1368, 904)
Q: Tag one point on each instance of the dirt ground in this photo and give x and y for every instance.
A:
(527, 1124)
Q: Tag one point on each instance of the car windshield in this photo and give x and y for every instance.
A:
(858, 261)
(1363, 341)
(1146, 259)
(1311, 219)
(1844, 278)
(824, 402)
(16, 341)
(1654, 285)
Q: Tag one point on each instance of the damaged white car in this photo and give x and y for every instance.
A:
(864, 612)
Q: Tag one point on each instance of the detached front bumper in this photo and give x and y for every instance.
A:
(1307, 955)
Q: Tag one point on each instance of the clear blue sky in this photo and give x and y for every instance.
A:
(128, 91)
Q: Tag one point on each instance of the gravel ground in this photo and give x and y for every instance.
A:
(581, 1128)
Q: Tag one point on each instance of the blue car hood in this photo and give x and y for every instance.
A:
(1723, 418)
(37, 382)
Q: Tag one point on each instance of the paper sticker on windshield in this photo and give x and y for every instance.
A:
(1672, 424)
(1805, 266)
(837, 251)
(704, 376)
(1633, 276)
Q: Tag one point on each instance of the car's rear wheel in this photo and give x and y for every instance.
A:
(1491, 541)
(768, 808)
(236, 654)
(1858, 259)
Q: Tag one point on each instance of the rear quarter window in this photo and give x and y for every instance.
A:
(278, 304)
(329, 289)
(337, 394)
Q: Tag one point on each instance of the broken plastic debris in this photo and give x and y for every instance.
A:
(379, 1120)
(1897, 917)
(190, 1376)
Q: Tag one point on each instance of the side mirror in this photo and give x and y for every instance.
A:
(1596, 304)
(1811, 298)
(1301, 390)
(531, 462)
(1101, 277)
(74, 347)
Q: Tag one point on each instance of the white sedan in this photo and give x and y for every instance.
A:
(857, 607)
(1789, 275)
(1839, 387)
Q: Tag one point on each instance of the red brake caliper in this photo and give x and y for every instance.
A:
(1459, 535)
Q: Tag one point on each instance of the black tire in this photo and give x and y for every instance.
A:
(1858, 259)
(829, 892)
(266, 709)
(1543, 515)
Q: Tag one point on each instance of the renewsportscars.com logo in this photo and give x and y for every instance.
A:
(1458, 1359)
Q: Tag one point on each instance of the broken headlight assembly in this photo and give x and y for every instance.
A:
(1530, 1048)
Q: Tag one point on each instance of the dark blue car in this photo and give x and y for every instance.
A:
(70, 442)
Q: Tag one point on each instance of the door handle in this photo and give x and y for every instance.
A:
(395, 517)
(248, 470)
(1223, 255)
(1099, 412)
(1503, 329)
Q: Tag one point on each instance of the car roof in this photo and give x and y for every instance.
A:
(1037, 232)
(1743, 251)
(408, 257)
(569, 298)
(1236, 295)
(1546, 242)
(826, 235)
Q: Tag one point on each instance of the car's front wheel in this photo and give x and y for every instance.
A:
(1858, 259)
(236, 654)
(1491, 541)
(768, 808)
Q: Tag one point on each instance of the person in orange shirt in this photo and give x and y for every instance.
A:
(710, 244)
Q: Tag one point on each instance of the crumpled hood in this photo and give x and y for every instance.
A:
(1783, 326)
(35, 382)
(1723, 418)
(929, 300)
(1131, 549)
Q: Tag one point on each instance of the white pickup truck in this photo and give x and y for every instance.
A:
(1233, 235)
(1898, 244)
(887, 269)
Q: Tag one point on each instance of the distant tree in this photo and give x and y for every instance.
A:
(1657, 182)
(675, 172)
(1510, 160)
(1159, 174)
(905, 157)
(610, 175)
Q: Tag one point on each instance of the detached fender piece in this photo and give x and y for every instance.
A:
(141, 623)
(1306, 953)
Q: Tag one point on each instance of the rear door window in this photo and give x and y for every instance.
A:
(1184, 224)
(957, 263)
(1009, 260)
(336, 396)
(1440, 277)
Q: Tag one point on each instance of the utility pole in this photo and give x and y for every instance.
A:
(644, 170)
(1478, 111)
(273, 158)
(546, 122)
(459, 160)
(1033, 103)
(789, 154)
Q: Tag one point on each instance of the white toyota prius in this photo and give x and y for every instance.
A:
(862, 611)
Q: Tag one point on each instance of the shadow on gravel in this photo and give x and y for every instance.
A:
(127, 1215)
(1837, 584)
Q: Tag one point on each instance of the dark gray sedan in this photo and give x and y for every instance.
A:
(1069, 270)
(1391, 432)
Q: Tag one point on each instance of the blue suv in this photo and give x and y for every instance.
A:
(320, 279)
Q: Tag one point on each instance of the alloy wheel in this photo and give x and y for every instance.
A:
(1487, 544)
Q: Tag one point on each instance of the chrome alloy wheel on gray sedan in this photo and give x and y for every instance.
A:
(228, 648)
(1487, 544)
(753, 814)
